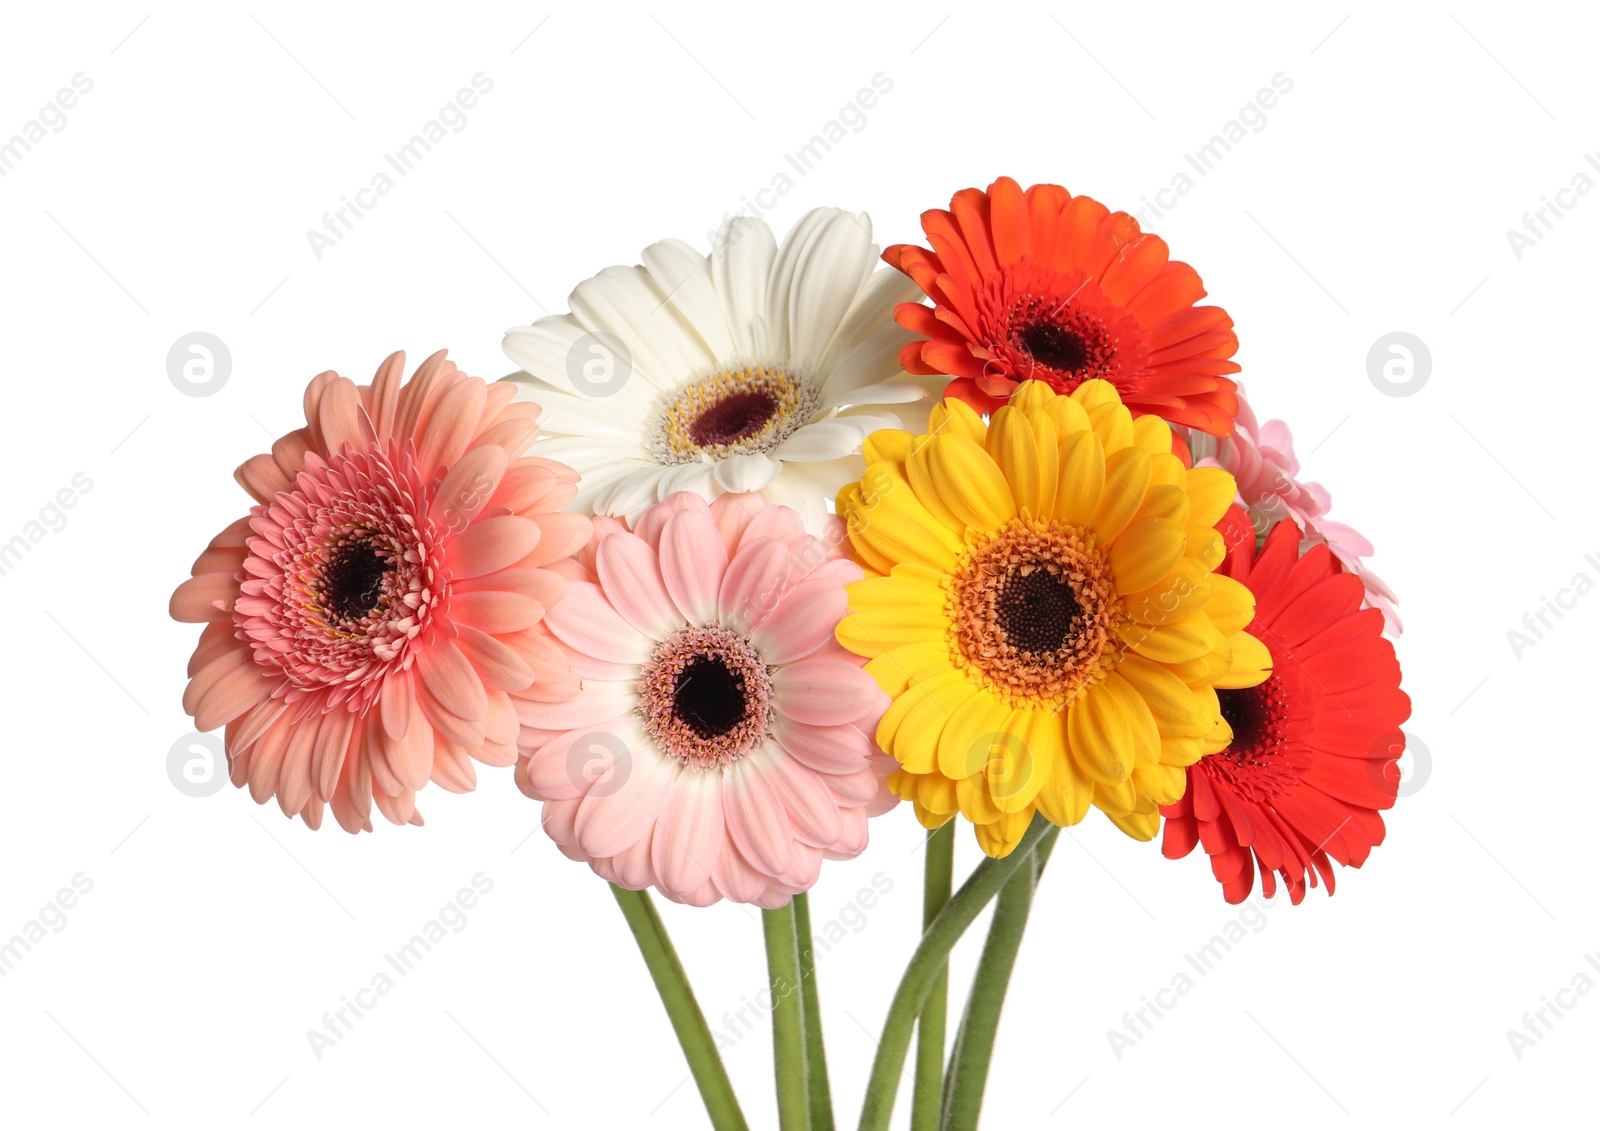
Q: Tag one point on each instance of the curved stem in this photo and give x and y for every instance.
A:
(938, 864)
(788, 1019)
(811, 1008)
(694, 1035)
(969, 1060)
(923, 970)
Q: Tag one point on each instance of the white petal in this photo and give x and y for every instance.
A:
(566, 414)
(826, 440)
(872, 361)
(630, 494)
(624, 302)
(741, 262)
(874, 310)
(819, 271)
(684, 276)
(749, 472)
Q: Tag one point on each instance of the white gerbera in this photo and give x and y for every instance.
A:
(757, 368)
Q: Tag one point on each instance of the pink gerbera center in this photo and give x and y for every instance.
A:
(345, 571)
(706, 697)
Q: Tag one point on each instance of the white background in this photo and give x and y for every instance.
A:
(1376, 198)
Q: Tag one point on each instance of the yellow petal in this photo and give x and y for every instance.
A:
(1127, 480)
(1097, 392)
(972, 798)
(1116, 799)
(1232, 605)
(1067, 415)
(1140, 826)
(1029, 396)
(1174, 706)
(970, 483)
(1080, 479)
(1251, 662)
(899, 537)
(887, 445)
(1153, 435)
(1166, 501)
(1066, 794)
(956, 418)
(975, 726)
(922, 739)
(1168, 469)
(1190, 639)
(1026, 468)
(1182, 593)
(1100, 737)
(1146, 739)
(1145, 553)
(1211, 492)
(1160, 785)
(895, 668)
(1113, 424)
(998, 838)
(1019, 765)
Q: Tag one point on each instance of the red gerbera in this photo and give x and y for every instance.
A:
(1314, 747)
(1048, 286)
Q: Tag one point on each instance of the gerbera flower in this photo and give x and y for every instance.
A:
(757, 368)
(1313, 754)
(366, 620)
(1262, 459)
(1043, 611)
(720, 744)
(1052, 287)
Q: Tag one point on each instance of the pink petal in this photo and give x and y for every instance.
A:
(495, 611)
(631, 579)
(694, 561)
(620, 805)
(586, 622)
(812, 808)
(823, 692)
(839, 749)
(468, 487)
(756, 818)
(450, 677)
(802, 622)
(564, 534)
(757, 578)
(689, 833)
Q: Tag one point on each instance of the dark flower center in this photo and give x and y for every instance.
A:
(709, 697)
(353, 579)
(1054, 346)
(736, 417)
(1035, 611)
(1246, 714)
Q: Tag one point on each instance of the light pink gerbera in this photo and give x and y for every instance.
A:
(366, 621)
(720, 746)
(1262, 460)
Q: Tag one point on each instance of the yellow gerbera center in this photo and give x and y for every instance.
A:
(732, 412)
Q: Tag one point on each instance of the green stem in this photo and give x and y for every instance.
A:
(694, 1035)
(938, 866)
(811, 1006)
(923, 970)
(969, 1060)
(788, 1018)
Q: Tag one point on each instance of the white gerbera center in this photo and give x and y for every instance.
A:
(734, 411)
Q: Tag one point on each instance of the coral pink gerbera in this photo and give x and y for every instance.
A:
(1043, 285)
(1262, 460)
(721, 744)
(1312, 757)
(366, 621)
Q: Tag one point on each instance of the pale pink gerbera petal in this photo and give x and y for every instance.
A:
(720, 744)
(1262, 460)
(365, 622)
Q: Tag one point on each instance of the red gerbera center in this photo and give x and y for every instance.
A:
(1061, 331)
(1261, 761)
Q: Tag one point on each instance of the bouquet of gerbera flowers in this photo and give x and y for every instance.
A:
(991, 530)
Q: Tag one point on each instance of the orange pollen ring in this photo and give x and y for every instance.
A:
(1033, 612)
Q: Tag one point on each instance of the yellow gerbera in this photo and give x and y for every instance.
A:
(1040, 605)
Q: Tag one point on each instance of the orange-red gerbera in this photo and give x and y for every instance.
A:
(1312, 759)
(1043, 285)
(367, 619)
